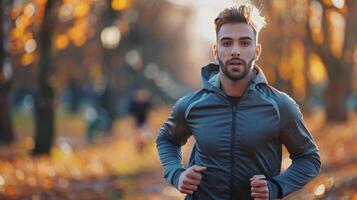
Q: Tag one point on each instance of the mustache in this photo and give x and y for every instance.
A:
(235, 59)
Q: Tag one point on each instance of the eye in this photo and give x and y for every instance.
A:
(245, 43)
(226, 43)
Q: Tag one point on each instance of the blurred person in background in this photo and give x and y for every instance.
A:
(99, 113)
(239, 123)
(139, 108)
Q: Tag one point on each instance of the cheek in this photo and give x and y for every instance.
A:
(223, 54)
(248, 55)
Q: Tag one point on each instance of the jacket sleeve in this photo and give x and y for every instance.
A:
(173, 134)
(301, 146)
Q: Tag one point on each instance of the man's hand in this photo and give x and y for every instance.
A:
(190, 179)
(259, 187)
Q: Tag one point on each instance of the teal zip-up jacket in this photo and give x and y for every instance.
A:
(236, 142)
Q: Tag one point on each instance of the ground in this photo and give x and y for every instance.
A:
(113, 168)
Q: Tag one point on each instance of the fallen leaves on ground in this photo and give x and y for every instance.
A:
(113, 168)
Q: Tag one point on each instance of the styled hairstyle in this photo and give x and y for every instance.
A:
(243, 13)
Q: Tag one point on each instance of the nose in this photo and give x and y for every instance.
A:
(235, 51)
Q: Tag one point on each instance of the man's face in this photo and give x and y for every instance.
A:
(236, 50)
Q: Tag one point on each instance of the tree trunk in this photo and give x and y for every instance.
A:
(6, 130)
(44, 101)
(336, 93)
(339, 71)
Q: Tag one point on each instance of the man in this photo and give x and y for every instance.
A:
(239, 123)
(139, 108)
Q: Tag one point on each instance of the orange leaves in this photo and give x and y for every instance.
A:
(337, 30)
(292, 67)
(29, 10)
(317, 71)
(79, 32)
(337, 149)
(315, 22)
(73, 172)
(61, 41)
(26, 17)
(79, 171)
(81, 9)
(27, 59)
(285, 71)
(297, 63)
(120, 4)
(335, 24)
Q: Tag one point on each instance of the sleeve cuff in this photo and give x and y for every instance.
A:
(274, 190)
(176, 177)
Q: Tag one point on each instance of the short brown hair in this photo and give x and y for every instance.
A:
(243, 13)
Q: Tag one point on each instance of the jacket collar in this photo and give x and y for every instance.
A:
(210, 77)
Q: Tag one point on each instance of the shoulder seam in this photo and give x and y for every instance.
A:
(189, 99)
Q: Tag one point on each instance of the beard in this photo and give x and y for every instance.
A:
(231, 75)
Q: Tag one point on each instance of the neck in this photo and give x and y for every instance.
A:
(235, 88)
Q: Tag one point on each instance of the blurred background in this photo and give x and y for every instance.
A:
(86, 84)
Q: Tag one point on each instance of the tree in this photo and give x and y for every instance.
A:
(6, 130)
(44, 100)
(338, 62)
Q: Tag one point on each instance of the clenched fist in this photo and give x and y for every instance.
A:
(190, 179)
(259, 187)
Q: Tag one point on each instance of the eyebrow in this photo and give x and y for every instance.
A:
(241, 38)
(245, 38)
(226, 38)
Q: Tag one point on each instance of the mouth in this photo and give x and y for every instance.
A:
(236, 63)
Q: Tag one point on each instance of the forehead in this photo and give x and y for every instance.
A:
(236, 31)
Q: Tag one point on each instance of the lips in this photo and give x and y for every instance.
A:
(235, 65)
(235, 62)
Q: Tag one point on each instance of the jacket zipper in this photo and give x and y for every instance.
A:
(234, 109)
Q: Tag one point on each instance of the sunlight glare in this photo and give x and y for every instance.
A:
(338, 3)
(2, 181)
(205, 11)
(320, 190)
(30, 46)
(110, 37)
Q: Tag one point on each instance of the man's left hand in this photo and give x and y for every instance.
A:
(259, 187)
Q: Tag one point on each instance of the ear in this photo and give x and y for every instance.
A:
(258, 51)
(214, 52)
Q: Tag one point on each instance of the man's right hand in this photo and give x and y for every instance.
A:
(190, 179)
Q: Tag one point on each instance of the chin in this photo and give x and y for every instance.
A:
(236, 74)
